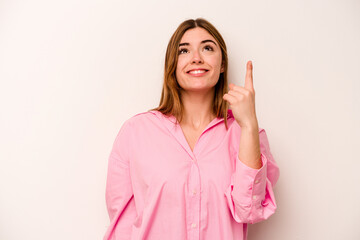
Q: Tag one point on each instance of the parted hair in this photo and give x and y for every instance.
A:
(170, 102)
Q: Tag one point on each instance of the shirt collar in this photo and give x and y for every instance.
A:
(176, 130)
(172, 119)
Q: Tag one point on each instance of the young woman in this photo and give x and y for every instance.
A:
(192, 168)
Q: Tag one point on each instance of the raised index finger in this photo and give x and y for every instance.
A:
(249, 76)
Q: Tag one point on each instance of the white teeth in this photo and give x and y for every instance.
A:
(197, 71)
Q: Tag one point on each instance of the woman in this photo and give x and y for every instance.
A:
(192, 168)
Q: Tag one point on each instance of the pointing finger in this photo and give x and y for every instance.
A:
(249, 76)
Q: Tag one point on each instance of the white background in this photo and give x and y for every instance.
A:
(73, 71)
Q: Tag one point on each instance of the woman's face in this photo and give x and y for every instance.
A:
(199, 62)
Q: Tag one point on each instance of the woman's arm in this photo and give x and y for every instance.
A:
(119, 194)
(250, 194)
(249, 149)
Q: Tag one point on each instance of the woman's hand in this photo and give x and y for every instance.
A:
(242, 101)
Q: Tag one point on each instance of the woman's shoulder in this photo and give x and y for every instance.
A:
(143, 118)
(142, 115)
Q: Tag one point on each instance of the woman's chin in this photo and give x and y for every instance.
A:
(198, 88)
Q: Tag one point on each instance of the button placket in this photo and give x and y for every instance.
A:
(194, 201)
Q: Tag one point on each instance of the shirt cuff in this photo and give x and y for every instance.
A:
(249, 183)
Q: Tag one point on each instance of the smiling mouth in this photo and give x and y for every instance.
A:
(197, 71)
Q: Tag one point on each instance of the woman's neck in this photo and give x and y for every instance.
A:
(198, 108)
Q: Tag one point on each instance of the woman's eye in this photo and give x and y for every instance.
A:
(183, 50)
(208, 48)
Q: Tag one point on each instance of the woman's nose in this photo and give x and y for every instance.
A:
(196, 58)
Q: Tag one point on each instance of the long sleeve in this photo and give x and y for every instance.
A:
(119, 194)
(250, 195)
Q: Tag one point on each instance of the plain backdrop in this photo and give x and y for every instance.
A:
(73, 71)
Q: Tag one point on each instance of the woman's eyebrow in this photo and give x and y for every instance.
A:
(204, 41)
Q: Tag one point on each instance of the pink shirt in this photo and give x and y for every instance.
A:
(158, 188)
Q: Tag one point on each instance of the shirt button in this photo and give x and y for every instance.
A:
(254, 197)
(194, 192)
(257, 181)
(193, 225)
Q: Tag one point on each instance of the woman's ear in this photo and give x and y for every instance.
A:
(222, 68)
